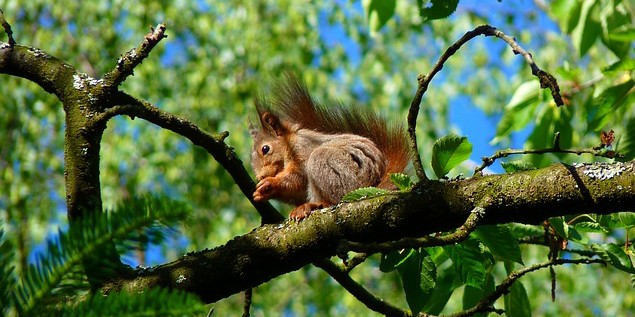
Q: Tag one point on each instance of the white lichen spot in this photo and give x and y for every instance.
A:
(180, 279)
(94, 81)
(85, 151)
(620, 187)
(4, 46)
(604, 171)
(78, 82)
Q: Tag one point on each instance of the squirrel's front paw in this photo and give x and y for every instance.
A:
(304, 210)
(264, 189)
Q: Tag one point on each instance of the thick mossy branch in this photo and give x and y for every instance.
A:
(272, 250)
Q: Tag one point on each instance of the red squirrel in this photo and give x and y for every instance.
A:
(308, 155)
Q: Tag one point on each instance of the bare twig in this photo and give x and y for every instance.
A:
(358, 291)
(134, 57)
(7, 28)
(428, 241)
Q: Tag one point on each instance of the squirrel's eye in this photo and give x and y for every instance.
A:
(265, 149)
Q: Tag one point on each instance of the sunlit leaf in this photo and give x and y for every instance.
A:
(448, 152)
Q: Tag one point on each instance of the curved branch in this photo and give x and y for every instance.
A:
(546, 81)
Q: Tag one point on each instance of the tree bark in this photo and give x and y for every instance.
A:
(273, 250)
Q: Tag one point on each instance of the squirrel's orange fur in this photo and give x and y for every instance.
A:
(309, 155)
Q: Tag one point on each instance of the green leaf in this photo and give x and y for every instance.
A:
(520, 230)
(448, 152)
(517, 301)
(440, 9)
(607, 102)
(7, 275)
(626, 144)
(517, 166)
(410, 272)
(472, 295)
(428, 273)
(588, 28)
(591, 227)
(568, 13)
(616, 20)
(500, 241)
(390, 261)
(469, 262)
(518, 112)
(627, 218)
(378, 12)
(626, 64)
(362, 193)
(560, 227)
(402, 181)
(615, 255)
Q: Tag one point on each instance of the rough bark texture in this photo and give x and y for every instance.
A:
(272, 250)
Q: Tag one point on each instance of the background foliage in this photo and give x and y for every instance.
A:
(218, 54)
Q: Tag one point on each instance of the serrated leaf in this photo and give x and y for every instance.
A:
(402, 181)
(469, 262)
(378, 12)
(517, 166)
(428, 273)
(362, 193)
(517, 301)
(500, 241)
(448, 152)
(614, 255)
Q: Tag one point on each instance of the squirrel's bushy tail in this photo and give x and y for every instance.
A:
(292, 102)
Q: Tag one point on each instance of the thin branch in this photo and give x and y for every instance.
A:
(358, 291)
(486, 304)
(7, 29)
(247, 302)
(546, 81)
(476, 215)
(222, 153)
(134, 57)
(601, 152)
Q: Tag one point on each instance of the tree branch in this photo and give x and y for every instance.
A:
(272, 250)
(124, 104)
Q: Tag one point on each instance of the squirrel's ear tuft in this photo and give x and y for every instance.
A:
(272, 124)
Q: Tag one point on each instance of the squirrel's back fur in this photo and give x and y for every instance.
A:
(291, 102)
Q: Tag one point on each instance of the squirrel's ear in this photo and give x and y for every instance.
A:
(272, 123)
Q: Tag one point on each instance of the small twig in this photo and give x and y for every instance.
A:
(7, 28)
(428, 241)
(134, 57)
(358, 291)
(601, 152)
(247, 303)
(486, 304)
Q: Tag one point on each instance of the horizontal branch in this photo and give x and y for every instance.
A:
(272, 250)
